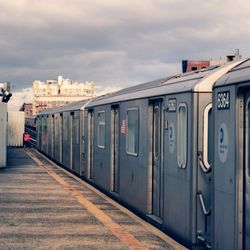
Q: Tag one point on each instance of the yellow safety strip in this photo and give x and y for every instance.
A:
(115, 228)
(175, 245)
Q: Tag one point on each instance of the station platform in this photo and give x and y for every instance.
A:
(42, 206)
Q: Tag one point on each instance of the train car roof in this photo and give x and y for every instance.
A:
(197, 81)
(73, 106)
(238, 74)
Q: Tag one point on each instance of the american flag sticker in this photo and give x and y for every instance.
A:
(123, 127)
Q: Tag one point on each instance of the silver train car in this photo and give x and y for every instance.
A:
(60, 135)
(231, 172)
(152, 148)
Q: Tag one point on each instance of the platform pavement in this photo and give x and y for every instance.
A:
(43, 207)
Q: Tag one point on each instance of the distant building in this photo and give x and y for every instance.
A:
(56, 93)
(192, 65)
(27, 108)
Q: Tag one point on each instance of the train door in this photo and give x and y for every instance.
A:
(115, 124)
(50, 136)
(83, 163)
(60, 129)
(40, 126)
(75, 143)
(90, 144)
(246, 176)
(156, 158)
(56, 137)
(71, 141)
(53, 136)
(45, 134)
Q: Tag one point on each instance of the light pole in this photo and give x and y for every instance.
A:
(4, 92)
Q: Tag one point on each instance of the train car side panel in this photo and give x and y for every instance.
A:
(178, 168)
(134, 153)
(101, 146)
(224, 204)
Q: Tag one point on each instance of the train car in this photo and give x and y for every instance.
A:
(150, 146)
(231, 174)
(61, 135)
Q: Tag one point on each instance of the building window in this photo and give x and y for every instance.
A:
(132, 135)
(101, 129)
(182, 136)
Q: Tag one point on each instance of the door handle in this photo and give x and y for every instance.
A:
(204, 209)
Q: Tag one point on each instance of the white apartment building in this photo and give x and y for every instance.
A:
(56, 93)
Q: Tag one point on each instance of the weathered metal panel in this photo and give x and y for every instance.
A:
(101, 157)
(16, 121)
(195, 82)
(178, 208)
(224, 173)
(237, 75)
(230, 199)
(133, 170)
(79, 105)
(3, 133)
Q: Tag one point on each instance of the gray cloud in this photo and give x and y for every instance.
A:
(115, 43)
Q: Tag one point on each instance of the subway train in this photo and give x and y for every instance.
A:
(174, 150)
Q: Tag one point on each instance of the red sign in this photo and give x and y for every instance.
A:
(123, 127)
(26, 137)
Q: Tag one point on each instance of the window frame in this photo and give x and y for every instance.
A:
(157, 146)
(205, 134)
(98, 130)
(132, 109)
(247, 121)
(180, 165)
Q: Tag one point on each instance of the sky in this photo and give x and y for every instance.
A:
(115, 43)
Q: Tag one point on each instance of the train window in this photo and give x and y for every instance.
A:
(182, 135)
(157, 132)
(101, 129)
(208, 133)
(132, 135)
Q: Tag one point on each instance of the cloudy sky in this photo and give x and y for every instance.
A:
(115, 43)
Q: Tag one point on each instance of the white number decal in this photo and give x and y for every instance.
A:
(223, 100)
